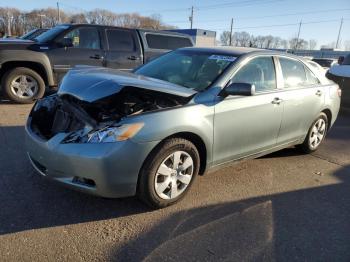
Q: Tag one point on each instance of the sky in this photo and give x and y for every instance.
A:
(320, 19)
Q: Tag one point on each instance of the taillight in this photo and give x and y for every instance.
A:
(339, 92)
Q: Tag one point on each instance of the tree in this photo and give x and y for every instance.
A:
(284, 44)
(10, 20)
(296, 44)
(101, 17)
(312, 44)
(78, 18)
(260, 40)
(225, 38)
(241, 39)
(276, 42)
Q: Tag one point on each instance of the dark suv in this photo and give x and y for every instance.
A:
(27, 67)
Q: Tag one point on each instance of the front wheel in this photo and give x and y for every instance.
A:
(168, 173)
(23, 85)
(316, 134)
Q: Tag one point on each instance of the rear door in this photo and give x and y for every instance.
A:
(303, 97)
(246, 125)
(123, 49)
(86, 50)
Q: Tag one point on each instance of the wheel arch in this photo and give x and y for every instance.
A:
(199, 144)
(193, 138)
(35, 66)
(328, 113)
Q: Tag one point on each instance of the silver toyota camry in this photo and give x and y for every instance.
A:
(151, 132)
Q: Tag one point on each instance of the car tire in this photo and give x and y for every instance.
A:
(22, 85)
(158, 171)
(316, 134)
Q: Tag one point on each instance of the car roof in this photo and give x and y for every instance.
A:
(143, 30)
(235, 51)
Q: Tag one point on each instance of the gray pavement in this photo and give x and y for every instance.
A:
(284, 207)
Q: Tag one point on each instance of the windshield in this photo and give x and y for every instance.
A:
(190, 69)
(51, 34)
(27, 34)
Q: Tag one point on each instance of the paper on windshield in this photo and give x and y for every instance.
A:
(223, 58)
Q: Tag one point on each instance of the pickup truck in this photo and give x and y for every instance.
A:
(28, 68)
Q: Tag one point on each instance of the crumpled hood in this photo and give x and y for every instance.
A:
(93, 83)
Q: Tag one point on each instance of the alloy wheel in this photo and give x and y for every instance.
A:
(317, 133)
(24, 86)
(174, 175)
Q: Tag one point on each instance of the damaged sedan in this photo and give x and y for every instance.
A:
(151, 132)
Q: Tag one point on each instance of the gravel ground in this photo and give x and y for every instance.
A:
(284, 206)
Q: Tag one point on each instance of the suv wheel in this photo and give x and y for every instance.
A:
(23, 85)
(168, 173)
(316, 134)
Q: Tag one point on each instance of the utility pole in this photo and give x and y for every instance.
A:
(58, 13)
(191, 17)
(338, 38)
(231, 31)
(297, 43)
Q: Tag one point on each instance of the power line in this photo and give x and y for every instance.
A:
(268, 16)
(237, 4)
(216, 6)
(290, 24)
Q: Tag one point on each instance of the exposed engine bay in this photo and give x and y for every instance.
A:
(56, 114)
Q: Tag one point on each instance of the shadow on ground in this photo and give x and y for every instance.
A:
(311, 224)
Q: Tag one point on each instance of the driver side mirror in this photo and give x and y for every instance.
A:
(238, 89)
(67, 42)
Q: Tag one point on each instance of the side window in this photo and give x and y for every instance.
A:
(166, 42)
(259, 72)
(84, 37)
(311, 78)
(120, 40)
(293, 71)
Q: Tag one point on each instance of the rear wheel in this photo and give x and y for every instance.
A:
(316, 134)
(168, 173)
(23, 85)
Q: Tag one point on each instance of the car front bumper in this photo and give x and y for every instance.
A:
(103, 169)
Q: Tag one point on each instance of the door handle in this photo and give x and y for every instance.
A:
(96, 57)
(133, 57)
(319, 93)
(276, 101)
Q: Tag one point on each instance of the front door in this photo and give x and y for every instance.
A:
(245, 125)
(86, 50)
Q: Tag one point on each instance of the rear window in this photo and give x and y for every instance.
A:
(346, 60)
(324, 62)
(167, 42)
(295, 74)
(120, 40)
